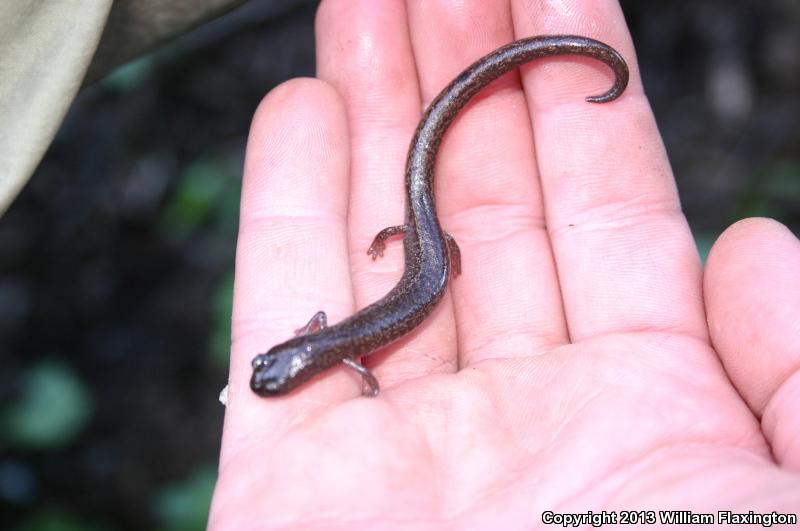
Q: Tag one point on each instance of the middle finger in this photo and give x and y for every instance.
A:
(487, 180)
(363, 49)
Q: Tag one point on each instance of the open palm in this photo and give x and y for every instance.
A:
(572, 367)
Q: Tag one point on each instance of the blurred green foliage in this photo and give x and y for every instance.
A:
(704, 241)
(199, 187)
(783, 179)
(775, 194)
(227, 205)
(53, 408)
(184, 506)
(778, 183)
(57, 519)
(131, 75)
(207, 189)
(222, 306)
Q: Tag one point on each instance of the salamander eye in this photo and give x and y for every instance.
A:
(263, 361)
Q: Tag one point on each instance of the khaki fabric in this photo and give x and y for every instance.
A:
(46, 48)
(138, 26)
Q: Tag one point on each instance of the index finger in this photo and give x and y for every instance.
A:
(291, 254)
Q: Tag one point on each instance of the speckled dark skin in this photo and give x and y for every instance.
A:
(430, 254)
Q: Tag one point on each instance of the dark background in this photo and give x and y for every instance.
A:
(116, 262)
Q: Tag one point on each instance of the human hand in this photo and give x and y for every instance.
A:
(572, 366)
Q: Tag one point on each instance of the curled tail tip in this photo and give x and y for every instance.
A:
(621, 78)
(612, 94)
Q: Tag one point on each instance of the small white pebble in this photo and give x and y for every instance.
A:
(223, 396)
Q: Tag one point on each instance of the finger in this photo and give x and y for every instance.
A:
(292, 251)
(488, 189)
(752, 293)
(363, 50)
(625, 256)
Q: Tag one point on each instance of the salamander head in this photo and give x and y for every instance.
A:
(282, 368)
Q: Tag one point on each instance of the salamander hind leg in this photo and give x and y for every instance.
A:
(455, 254)
(379, 243)
(370, 385)
(315, 324)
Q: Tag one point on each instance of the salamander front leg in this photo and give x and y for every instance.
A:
(370, 385)
(455, 254)
(315, 324)
(379, 243)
